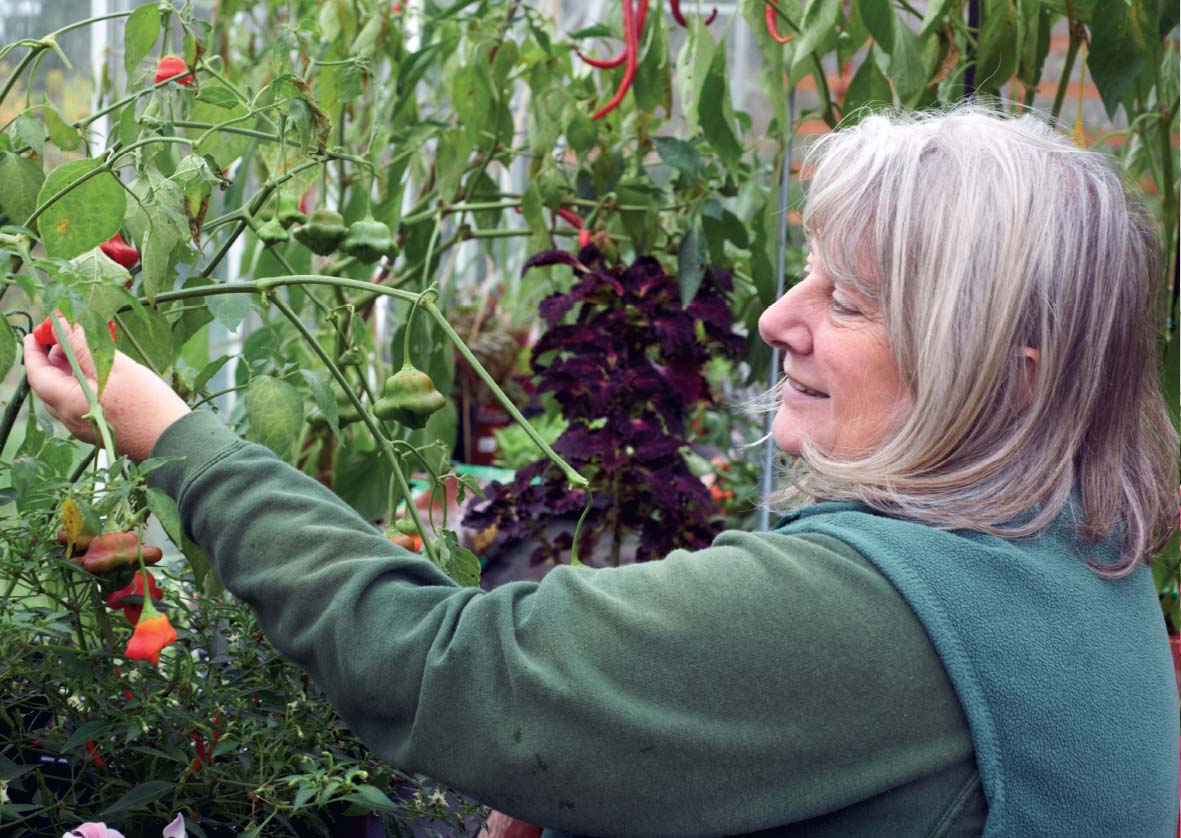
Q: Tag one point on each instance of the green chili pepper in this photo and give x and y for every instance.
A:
(323, 232)
(368, 240)
(409, 398)
(272, 232)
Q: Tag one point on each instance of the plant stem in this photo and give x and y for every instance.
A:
(10, 412)
(1067, 68)
(370, 422)
(573, 477)
(96, 411)
(34, 50)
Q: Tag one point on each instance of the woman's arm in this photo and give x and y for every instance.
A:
(726, 690)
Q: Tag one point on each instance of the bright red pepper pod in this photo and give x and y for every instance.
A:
(151, 635)
(130, 597)
(584, 238)
(43, 334)
(120, 251)
(172, 66)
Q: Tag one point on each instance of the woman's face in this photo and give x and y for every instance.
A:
(842, 384)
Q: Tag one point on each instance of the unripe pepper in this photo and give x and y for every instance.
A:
(116, 549)
(368, 240)
(172, 66)
(120, 251)
(323, 232)
(272, 232)
(409, 398)
(290, 215)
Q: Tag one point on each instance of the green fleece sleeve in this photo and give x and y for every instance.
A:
(722, 691)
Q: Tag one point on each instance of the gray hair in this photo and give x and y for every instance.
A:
(980, 236)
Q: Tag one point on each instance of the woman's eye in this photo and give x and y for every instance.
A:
(840, 308)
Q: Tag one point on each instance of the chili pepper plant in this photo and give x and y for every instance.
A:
(282, 208)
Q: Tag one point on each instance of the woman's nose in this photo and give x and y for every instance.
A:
(784, 324)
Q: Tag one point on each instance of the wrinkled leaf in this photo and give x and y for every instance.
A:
(275, 409)
(8, 347)
(84, 217)
(22, 179)
(139, 35)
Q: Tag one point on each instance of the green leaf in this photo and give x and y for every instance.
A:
(680, 155)
(997, 48)
(138, 798)
(934, 15)
(229, 309)
(868, 89)
(1118, 49)
(371, 798)
(146, 336)
(84, 217)
(8, 347)
(164, 508)
(317, 381)
(693, 63)
(223, 147)
(98, 339)
(22, 179)
(87, 732)
(717, 115)
(158, 242)
(653, 85)
(32, 130)
(275, 409)
(581, 131)
(878, 16)
(139, 35)
(906, 68)
(691, 262)
(820, 22)
(218, 95)
(63, 135)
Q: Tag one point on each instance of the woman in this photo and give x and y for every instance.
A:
(961, 638)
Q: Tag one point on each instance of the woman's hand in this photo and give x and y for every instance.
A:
(137, 404)
(501, 825)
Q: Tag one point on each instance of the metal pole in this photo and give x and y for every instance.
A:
(770, 452)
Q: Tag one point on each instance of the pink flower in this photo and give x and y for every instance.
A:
(93, 830)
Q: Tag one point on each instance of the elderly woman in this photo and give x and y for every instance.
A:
(955, 635)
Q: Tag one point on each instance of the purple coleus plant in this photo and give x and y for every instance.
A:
(624, 359)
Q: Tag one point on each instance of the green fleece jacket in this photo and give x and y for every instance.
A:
(771, 682)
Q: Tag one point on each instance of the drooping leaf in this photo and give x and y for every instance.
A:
(691, 262)
(275, 409)
(22, 179)
(84, 217)
(878, 16)
(867, 90)
(820, 21)
(8, 347)
(717, 115)
(139, 35)
(63, 135)
(138, 798)
(906, 68)
(1118, 49)
(317, 381)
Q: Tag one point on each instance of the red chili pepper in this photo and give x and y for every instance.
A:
(120, 251)
(631, 48)
(614, 61)
(172, 66)
(91, 749)
(773, 28)
(570, 217)
(674, 6)
(131, 597)
(44, 335)
(584, 238)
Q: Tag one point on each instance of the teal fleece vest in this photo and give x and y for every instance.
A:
(1065, 678)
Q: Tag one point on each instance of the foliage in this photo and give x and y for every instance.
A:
(627, 369)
